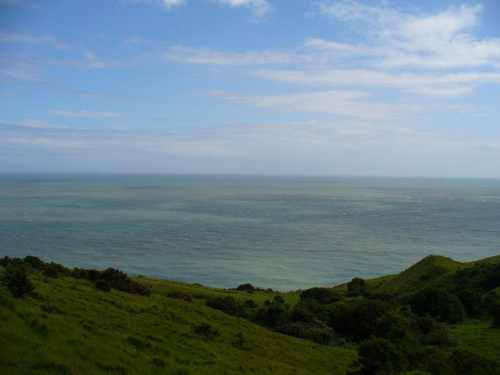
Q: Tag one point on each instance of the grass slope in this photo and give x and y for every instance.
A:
(69, 327)
(433, 270)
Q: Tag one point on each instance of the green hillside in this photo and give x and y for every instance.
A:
(60, 321)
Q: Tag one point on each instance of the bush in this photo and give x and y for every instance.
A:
(356, 287)
(438, 303)
(239, 341)
(205, 329)
(112, 278)
(472, 299)
(362, 318)
(246, 288)
(466, 363)
(435, 361)
(103, 285)
(316, 330)
(35, 262)
(324, 296)
(495, 312)
(227, 304)
(270, 314)
(380, 357)
(178, 294)
(16, 279)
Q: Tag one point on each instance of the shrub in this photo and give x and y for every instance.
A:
(380, 357)
(270, 314)
(227, 304)
(112, 278)
(472, 299)
(438, 303)
(205, 329)
(5, 261)
(35, 262)
(250, 303)
(278, 299)
(466, 363)
(239, 341)
(356, 287)
(315, 330)
(103, 285)
(178, 294)
(435, 361)
(16, 279)
(362, 318)
(138, 344)
(245, 288)
(495, 312)
(324, 296)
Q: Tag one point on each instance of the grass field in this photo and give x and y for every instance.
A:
(67, 326)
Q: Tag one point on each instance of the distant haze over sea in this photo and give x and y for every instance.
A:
(283, 233)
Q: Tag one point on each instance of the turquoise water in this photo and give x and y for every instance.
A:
(274, 232)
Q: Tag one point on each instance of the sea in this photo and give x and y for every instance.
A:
(283, 233)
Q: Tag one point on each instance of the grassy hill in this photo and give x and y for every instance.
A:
(67, 326)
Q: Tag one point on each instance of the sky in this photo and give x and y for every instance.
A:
(261, 87)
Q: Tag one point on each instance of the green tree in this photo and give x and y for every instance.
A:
(16, 279)
(438, 303)
(380, 357)
(324, 296)
(356, 287)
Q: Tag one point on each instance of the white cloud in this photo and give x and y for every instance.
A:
(451, 85)
(341, 103)
(181, 54)
(12, 37)
(165, 3)
(22, 74)
(11, 94)
(21, 3)
(354, 147)
(260, 7)
(169, 3)
(38, 124)
(435, 41)
(61, 112)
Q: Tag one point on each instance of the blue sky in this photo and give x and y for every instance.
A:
(294, 87)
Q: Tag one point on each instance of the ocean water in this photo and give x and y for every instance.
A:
(284, 233)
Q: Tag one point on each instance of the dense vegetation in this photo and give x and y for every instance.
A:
(437, 317)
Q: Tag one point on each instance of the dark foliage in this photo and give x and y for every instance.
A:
(314, 330)
(363, 316)
(240, 341)
(205, 329)
(380, 357)
(468, 363)
(16, 279)
(245, 288)
(438, 303)
(227, 304)
(5, 261)
(17, 270)
(180, 295)
(103, 285)
(485, 276)
(472, 299)
(356, 287)
(55, 270)
(112, 279)
(35, 262)
(270, 314)
(495, 312)
(324, 296)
